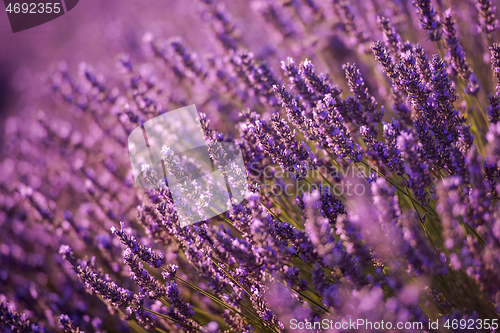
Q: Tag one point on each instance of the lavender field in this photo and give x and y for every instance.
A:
(370, 135)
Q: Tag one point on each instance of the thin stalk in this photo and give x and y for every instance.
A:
(473, 230)
(212, 297)
(289, 206)
(270, 212)
(136, 327)
(312, 301)
(422, 222)
(474, 120)
(439, 49)
(243, 288)
(401, 190)
(288, 216)
(331, 186)
(481, 109)
(196, 309)
(160, 330)
(219, 301)
(172, 319)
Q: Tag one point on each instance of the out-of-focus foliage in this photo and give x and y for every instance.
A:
(371, 139)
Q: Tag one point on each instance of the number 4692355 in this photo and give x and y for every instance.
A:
(34, 8)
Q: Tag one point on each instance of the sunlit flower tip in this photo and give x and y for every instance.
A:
(64, 249)
(429, 19)
(487, 16)
(167, 151)
(169, 271)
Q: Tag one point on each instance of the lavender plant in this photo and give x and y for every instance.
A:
(376, 202)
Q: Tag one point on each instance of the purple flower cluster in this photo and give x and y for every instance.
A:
(379, 202)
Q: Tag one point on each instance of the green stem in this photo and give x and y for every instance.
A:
(212, 297)
(474, 120)
(422, 221)
(312, 301)
(243, 288)
(440, 51)
(400, 189)
(172, 319)
(485, 117)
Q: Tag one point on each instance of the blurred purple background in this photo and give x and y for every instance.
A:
(94, 32)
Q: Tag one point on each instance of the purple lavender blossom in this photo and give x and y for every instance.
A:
(487, 16)
(332, 132)
(493, 137)
(141, 276)
(495, 64)
(423, 63)
(318, 84)
(306, 95)
(371, 116)
(418, 240)
(419, 175)
(15, 321)
(144, 253)
(429, 19)
(494, 108)
(383, 57)
(282, 146)
(387, 154)
(95, 282)
(456, 54)
(67, 324)
(392, 39)
(295, 114)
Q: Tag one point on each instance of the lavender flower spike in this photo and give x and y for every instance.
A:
(360, 90)
(94, 282)
(391, 37)
(320, 84)
(487, 16)
(144, 253)
(495, 64)
(307, 96)
(429, 19)
(494, 108)
(67, 324)
(388, 66)
(295, 114)
(17, 322)
(141, 276)
(456, 54)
